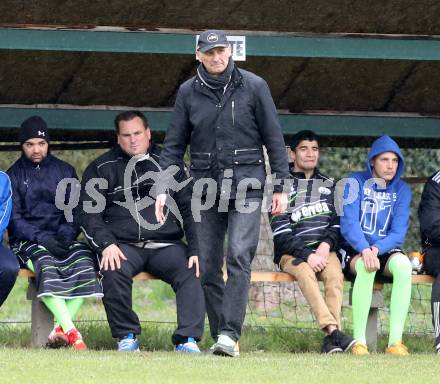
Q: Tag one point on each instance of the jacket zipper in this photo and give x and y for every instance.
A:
(245, 149)
(233, 114)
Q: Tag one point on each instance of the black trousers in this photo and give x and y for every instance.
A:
(432, 267)
(226, 302)
(169, 264)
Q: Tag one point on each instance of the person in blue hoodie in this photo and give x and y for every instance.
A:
(8, 263)
(374, 224)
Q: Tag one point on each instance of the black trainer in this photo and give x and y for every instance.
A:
(342, 340)
(437, 345)
(328, 346)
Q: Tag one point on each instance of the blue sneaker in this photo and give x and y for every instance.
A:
(128, 344)
(189, 347)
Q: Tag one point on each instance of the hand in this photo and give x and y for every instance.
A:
(279, 203)
(323, 250)
(54, 248)
(370, 259)
(193, 261)
(316, 262)
(159, 206)
(111, 256)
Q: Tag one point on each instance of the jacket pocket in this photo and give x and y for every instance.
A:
(200, 160)
(249, 164)
(200, 165)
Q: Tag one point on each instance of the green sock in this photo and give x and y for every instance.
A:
(73, 305)
(400, 268)
(361, 298)
(30, 265)
(58, 307)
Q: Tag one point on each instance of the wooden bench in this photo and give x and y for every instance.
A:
(42, 319)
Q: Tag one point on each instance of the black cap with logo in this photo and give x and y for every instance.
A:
(211, 39)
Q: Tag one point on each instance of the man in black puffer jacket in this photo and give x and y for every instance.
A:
(116, 214)
(429, 217)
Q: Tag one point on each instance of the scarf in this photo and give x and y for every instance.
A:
(219, 82)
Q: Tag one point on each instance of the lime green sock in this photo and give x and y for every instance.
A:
(57, 306)
(59, 309)
(30, 265)
(400, 268)
(361, 298)
(73, 306)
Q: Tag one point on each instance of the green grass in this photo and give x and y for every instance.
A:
(43, 366)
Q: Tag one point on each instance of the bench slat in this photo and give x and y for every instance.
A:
(258, 276)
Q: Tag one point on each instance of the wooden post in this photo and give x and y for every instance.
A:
(41, 317)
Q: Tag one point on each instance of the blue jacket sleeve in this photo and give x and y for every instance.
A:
(5, 202)
(350, 224)
(399, 224)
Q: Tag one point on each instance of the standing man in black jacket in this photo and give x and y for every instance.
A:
(306, 238)
(118, 219)
(226, 115)
(429, 217)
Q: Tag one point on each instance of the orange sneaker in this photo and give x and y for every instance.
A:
(360, 349)
(75, 340)
(57, 338)
(397, 349)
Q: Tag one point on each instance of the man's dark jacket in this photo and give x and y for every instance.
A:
(115, 223)
(35, 216)
(429, 212)
(310, 219)
(227, 133)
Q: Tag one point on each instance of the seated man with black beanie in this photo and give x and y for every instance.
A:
(43, 239)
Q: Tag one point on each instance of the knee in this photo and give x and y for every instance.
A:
(110, 277)
(362, 273)
(302, 273)
(401, 266)
(9, 270)
(334, 278)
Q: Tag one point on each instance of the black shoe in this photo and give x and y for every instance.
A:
(342, 340)
(328, 346)
(437, 345)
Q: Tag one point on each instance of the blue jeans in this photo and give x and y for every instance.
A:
(226, 302)
(8, 272)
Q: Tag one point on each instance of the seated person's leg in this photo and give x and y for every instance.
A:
(361, 298)
(68, 334)
(432, 267)
(8, 272)
(333, 280)
(308, 283)
(399, 267)
(170, 264)
(309, 286)
(117, 286)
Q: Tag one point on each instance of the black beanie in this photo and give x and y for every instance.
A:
(33, 127)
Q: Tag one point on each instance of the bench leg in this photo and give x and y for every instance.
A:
(372, 326)
(42, 319)
(373, 318)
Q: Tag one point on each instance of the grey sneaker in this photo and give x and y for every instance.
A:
(225, 346)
